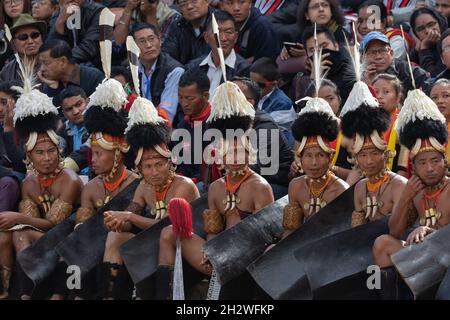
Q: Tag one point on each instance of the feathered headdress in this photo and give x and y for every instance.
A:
(34, 111)
(316, 124)
(363, 120)
(421, 126)
(103, 117)
(145, 129)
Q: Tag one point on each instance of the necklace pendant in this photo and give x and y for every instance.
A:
(160, 210)
(99, 203)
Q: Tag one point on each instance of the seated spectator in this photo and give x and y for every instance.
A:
(28, 35)
(210, 64)
(443, 48)
(12, 153)
(273, 100)
(43, 10)
(263, 122)
(9, 13)
(82, 38)
(337, 62)
(443, 7)
(326, 14)
(153, 12)
(194, 101)
(184, 40)
(159, 73)
(440, 94)
(428, 25)
(378, 57)
(58, 70)
(257, 37)
(366, 23)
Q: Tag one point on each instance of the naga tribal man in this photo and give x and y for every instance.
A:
(49, 192)
(148, 137)
(364, 123)
(422, 129)
(232, 198)
(315, 130)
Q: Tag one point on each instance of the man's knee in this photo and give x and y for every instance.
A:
(381, 244)
(114, 240)
(21, 239)
(5, 239)
(167, 235)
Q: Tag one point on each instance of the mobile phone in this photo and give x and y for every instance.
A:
(290, 45)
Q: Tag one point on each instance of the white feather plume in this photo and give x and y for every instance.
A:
(143, 112)
(108, 94)
(360, 94)
(229, 101)
(32, 104)
(317, 105)
(418, 105)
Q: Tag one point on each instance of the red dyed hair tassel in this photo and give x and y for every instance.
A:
(180, 215)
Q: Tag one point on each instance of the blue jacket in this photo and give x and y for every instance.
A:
(258, 38)
(279, 106)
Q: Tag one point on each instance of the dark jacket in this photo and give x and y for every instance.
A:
(241, 67)
(14, 151)
(11, 72)
(284, 21)
(341, 73)
(258, 38)
(90, 78)
(263, 121)
(400, 68)
(182, 43)
(87, 37)
(164, 65)
(429, 60)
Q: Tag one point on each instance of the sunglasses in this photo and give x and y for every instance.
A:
(24, 36)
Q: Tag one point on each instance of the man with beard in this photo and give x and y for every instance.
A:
(148, 136)
(232, 198)
(315, 130)
(364, 122)
(49, 192)
(423, 131)
(336, 63)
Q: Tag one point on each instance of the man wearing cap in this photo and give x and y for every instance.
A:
(378, 57)
(28, 35)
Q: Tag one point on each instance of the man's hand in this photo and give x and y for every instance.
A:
(51, 83)
(65, 11)
(116, 220)
(206, 264)
(413, 187)
(325, 65)
(418, 235)
(297, 51)
(9, 219)
(370, 73)
(133, 4)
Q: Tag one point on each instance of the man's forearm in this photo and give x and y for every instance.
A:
(399, 218)
(121, 30)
